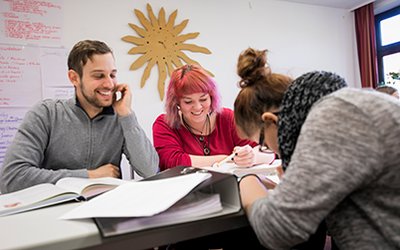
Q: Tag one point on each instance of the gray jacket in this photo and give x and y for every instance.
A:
(345, 169)
(57, 139)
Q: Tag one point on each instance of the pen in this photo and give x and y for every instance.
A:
(228, 158)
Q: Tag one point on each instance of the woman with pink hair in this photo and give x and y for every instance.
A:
(195, 130)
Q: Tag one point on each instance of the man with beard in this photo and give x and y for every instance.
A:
(81, 137)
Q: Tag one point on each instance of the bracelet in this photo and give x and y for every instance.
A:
(247, 175)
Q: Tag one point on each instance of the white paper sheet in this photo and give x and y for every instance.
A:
(34, 22)
(20, 80)
(143, 198)
(10, 119)
(53, 67)
(193, 206)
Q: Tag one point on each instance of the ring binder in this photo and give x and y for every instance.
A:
(224, 185)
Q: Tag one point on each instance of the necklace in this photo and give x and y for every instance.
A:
(198, 131)
(201, 139)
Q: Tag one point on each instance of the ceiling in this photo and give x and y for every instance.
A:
(341, 4)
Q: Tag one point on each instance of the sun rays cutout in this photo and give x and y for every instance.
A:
(161, 42)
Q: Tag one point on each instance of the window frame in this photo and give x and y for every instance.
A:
(387, 49)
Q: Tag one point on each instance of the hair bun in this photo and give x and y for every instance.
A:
(252, 66)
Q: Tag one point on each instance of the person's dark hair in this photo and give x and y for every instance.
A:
(386, 89)
(260, 91)
(84, 51)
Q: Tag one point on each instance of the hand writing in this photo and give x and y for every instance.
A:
(244, 157)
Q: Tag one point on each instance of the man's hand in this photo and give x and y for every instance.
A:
(123, 105)
(107, 170)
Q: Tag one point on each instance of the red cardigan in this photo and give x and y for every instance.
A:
(174, 145)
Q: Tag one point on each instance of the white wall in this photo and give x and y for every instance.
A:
(299, 37)
(384, 5)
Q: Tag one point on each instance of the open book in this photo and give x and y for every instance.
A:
(232, 168)
(46, 194)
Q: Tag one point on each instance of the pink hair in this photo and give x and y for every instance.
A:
(187, 80)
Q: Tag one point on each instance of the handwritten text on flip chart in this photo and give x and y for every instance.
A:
(37, 22)
(10, 119)
(20, 80)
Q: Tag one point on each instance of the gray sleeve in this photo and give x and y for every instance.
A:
(22, 166)
(138, 149)
(336, 153)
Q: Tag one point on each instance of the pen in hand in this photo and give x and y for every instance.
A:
(225, 160)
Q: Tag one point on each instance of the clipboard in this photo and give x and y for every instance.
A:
(225, 185)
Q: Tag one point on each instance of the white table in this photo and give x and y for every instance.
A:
(41, 229)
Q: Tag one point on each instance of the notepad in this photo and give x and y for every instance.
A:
(47, 194)
(232, 168)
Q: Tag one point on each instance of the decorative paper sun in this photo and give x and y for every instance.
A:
(160, 43)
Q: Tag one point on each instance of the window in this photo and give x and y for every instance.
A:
(387, 26)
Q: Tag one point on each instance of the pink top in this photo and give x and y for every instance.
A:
(174, 145)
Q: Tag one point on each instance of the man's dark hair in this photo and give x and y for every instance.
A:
(84, 51)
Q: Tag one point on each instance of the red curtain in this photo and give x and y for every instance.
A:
(366, 45)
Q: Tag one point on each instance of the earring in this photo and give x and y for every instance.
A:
(178, 107)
